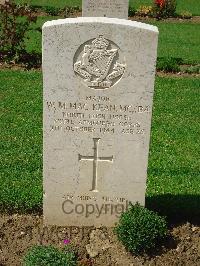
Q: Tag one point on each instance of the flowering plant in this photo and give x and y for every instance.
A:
(164, 8)
(160, 3)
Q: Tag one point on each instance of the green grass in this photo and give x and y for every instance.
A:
(21, 140)
(173, 167)
(56, 3)
(34, 43)
(49, 255)
(192, 6)
(174, 176)
(179, 40)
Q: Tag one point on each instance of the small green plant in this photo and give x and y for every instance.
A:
(140, 229)
(34, 8)
(186, 14)
(52, 10)
(30, 60)
(49, 255)
(70, 10)
(131, 11)
(169, 64)
(193, 69)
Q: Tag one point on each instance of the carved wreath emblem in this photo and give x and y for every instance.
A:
(97, 63)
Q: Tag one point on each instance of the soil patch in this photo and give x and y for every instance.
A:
(177, 75)
(195, 19)
(41, 13)
(5, 66)
(99, 246)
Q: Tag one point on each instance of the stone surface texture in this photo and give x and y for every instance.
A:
(105, 8)
(98, 76)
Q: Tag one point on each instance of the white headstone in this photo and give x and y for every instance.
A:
(105, 8)
(98, 88)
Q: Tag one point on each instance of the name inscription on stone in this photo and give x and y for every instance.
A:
(96, 115)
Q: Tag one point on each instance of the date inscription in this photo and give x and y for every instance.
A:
(97, 114)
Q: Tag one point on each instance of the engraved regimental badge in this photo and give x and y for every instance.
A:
(99, 63)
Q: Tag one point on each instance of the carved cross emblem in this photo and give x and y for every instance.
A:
(96, 159)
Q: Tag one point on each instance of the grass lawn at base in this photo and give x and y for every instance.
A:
(182, 5)
(173, 165)
(21, 140)
(173, 174)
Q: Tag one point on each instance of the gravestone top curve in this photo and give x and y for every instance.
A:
(140, 25)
